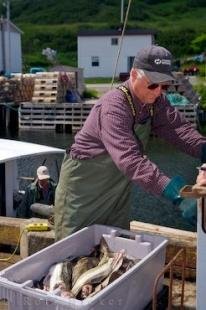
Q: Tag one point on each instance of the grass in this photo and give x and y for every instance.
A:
(202, 79)
(99, 80)
(90, 94)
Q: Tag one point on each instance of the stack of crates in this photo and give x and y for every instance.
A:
(25, 90)
(131, 291)
(48, 116)
(18, 88)
(51, 87)
(48, 89)
(182, 86)
(48, 108)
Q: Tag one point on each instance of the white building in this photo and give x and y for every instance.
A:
(97, 50)
(10, 47)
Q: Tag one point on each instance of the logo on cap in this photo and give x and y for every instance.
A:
(158, 61)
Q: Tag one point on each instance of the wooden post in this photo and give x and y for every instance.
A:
(13, 118)
(2, 117)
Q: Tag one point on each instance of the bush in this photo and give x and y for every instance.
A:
(199, 43)
(90, 94)
(201, 89)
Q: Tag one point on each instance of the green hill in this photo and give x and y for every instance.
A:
(180, 24)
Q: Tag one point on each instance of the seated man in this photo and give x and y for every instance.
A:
(39, 195)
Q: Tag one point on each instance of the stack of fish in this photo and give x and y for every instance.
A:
(85, 276)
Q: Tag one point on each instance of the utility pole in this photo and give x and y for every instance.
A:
(122, 12)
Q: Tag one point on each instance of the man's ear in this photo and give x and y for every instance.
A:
(133, 74)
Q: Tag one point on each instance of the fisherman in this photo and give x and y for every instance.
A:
(108, 153)
(39, 196)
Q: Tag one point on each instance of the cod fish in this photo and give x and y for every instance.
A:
(53, 279)
(96, 274)
(67, 274)
(83, 264)
(60, 275)
(120, 258)
(101, 250)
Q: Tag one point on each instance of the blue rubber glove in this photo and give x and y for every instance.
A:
(187, 206)
(203, 154)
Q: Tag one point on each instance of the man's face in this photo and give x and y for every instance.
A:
(141, 88)
(43, 183)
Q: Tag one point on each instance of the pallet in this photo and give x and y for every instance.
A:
(51, 86)
(48, 116)
(45, 87)
(47, 75)
(45, 93)
(46, 82)
(42, 99)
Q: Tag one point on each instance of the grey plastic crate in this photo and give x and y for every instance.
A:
(133, 290)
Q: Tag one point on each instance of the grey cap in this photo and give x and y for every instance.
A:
(156, 62)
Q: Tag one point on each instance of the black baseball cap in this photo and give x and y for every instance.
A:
(156, 62)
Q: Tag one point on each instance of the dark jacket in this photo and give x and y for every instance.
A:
(34, 194)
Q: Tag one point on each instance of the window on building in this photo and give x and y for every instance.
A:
(130, 61)
(95, 61)
(114, 41)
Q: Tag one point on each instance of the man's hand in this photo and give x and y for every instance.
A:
(187, 206)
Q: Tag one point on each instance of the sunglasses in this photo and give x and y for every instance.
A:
(201, 168)
(154, 86)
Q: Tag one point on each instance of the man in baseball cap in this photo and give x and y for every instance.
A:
(39, 196)
(109, 152)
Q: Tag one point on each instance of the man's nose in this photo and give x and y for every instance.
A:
(158, 90)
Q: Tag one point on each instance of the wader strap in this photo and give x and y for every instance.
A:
(126, 91)
(140, 129)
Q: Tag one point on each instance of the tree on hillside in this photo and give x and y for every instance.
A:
(199, 43)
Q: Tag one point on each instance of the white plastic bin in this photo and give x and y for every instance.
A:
(133, 290)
